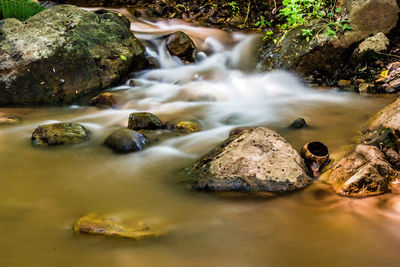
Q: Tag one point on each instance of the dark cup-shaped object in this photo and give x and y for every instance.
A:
(316, 156)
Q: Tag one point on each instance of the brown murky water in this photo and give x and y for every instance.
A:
(43, 191)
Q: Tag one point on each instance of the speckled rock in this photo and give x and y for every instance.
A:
(256, 160)
(59, 134)
(145, 121)
(64, 53)
(180, 45)
(188, 126)
(363, 172)
(108, 225)
(126, 140)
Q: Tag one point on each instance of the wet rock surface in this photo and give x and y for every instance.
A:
(108, 225)
(104, 100)
(9, 119)
(125, 140)
(299, 123)
(188, 127)
(180, 45)
(256, 159)
(145, 121)
(73, 54)
(363, 172)
(59, 134)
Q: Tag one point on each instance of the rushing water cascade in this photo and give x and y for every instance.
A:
(43, 191)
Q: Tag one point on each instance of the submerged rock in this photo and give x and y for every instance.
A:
(180, 45)
(99, 224)
(9, 119)
(126, 140)
(257, 159)
(64, 53)
(104, 100)
(188, 127)
(59, 134)
(299, 123)
(145, 121)
(363, 172)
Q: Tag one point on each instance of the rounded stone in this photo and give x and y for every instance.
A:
(145, 121)
(180, 45)
(125, 140)
(254, 160)
(59, 134)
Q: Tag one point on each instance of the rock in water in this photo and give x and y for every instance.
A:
(64, 53)
(299, 123)
(188, 126)
(99, 224)
(180, 45)
(126, 140)
(256, 159)
(104, 100)
(144, 121)
(59, 134)
(364, 172)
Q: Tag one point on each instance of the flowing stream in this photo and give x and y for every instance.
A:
(44, 191)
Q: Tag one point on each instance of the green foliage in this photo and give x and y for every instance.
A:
(262, 22)
(235, 7)
(297, 12)
(19, 9)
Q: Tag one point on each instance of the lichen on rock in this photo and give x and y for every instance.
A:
(59, 134)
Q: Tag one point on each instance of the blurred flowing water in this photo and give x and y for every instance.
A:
(43, 191)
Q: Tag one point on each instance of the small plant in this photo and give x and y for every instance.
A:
(297, 12)
(235, 7)
(19, 9)
(262, 22)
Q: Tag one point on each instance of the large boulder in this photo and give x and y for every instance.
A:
(64, 53)
(254, 159)
(368, 17)
(59, 134)
(363, 172)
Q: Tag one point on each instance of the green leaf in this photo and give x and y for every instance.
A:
(123, 58)
(337, 10)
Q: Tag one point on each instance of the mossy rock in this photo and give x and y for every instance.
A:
(59, 134)
(180, 45)
(188, 127)
(100, 224)
(126, 140)
(65, 54)
(144, 121)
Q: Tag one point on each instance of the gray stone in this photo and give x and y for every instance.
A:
(256, 159)
(64, 53)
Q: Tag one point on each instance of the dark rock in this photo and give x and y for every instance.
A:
(144, 120)
(73, 54)
(299, 123)
(363, 172)
(104, 100)
(126, 140)
(252, 160)
(180, 45)
(59, 134)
